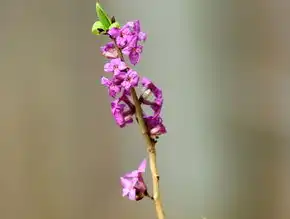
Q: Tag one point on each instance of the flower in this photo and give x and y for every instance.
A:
(115, 66)
(136, 27)
(122, 112)
(155, 125)
(123, 36)
(133, 183)
(133, 51)
(113, 88)
(109, 51)
(131, 79)
(151, 88)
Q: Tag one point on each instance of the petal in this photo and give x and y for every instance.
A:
(142, 36)
(146, 82)
(142, 166)
(119, 119)
(113, 90)
(125, 192)
(140, 185)
(115, 61)
(132, 194)
(134, 57)
(116, 72)
(126, 85)
(105, 81)
(126, 183)
(137, 26)
(122, 66)
(108, 67)
(132, 174)
(126, 50)
(121, 42)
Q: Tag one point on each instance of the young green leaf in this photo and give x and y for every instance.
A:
(103, 16)
(98, 28)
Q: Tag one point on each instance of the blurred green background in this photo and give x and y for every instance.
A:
(224, 69)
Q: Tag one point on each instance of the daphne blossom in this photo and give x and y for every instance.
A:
(133, 183)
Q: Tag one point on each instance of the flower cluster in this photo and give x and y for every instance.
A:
(133, 183)
(126, 42)
(127, 39)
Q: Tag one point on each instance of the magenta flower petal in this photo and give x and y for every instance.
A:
(142, 166)
(132, 194)
(125, 192)
(125, 182)
(109, 51)
(134, 57)
(108, 67)
(113, 88)
(142, 36)
(132, 174)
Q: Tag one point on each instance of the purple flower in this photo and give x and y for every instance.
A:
(134, 25)
(115, 66)
(122, 112)
(136, 29)
(109, 51)
(151, 88)
(131, 80)
(125, 36)
(127, 33)
(113, 88)
(155, 126)
(133, 51)
(133, 183)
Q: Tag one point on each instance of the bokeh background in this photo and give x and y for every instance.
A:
(224, 69)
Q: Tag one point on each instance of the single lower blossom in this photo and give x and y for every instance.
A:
(133, 183)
